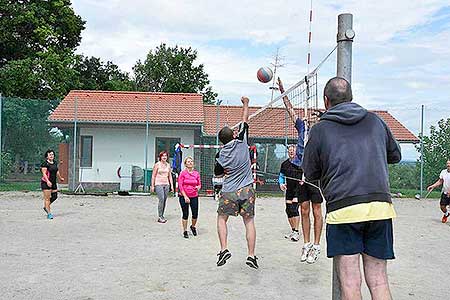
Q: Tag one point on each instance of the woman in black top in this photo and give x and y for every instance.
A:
(50, 172)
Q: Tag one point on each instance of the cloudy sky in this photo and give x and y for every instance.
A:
(401, 49)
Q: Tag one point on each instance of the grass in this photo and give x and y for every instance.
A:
(410, 193)
(20, 186)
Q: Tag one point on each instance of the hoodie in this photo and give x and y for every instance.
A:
(348, 151)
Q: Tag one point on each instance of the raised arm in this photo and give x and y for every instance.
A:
(245, 101)
(286, 102)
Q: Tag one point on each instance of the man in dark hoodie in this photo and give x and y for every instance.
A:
(348, 150)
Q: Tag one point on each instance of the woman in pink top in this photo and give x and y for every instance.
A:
(162, 183)
(189, 184)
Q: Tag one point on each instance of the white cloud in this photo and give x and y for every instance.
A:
(393, 67)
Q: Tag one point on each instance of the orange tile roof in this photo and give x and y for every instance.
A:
(275, 123)
(186, 108)
(129, 107)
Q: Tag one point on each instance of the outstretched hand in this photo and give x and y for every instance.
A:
(244, 100)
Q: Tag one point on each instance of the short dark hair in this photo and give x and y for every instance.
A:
(225, 135)
(338, 90)
(162, 153)
(48, 152)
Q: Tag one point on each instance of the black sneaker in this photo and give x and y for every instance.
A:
(194, 230)
(223, 257)
(185, 235)
(251, 262)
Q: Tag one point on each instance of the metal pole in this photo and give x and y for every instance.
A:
(345, 37)
(75, 143)
(147, 109)
(421, 150)
(1, 148)
(218, 102)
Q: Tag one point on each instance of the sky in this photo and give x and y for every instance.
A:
(401, 49)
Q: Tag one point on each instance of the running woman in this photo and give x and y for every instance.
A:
(444, 180)
(50, 174)
(189, 184)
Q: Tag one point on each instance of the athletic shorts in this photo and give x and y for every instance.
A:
(374, 238)
(307, 192)
(241, 202)
(445, 199)
(291, 192)
(44, 186)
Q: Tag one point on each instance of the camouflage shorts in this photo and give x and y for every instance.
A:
(241, 202)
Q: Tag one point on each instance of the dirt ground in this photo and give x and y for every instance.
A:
(113, 248)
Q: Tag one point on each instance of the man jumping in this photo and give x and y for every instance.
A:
(237, 196)
(306, 194)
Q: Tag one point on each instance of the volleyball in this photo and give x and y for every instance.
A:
(264, 74)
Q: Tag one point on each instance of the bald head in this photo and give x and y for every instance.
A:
(338, 90)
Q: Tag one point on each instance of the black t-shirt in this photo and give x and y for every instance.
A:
(293, 171)
(52, 169)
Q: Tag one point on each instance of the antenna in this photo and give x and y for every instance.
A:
(276, 64)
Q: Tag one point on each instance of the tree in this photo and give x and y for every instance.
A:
(436, 150)
(96, 75)
(31, 27)
(172, 69)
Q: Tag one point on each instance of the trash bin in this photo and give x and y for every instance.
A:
(148, 177)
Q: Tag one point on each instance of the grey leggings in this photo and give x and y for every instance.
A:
(162, 191)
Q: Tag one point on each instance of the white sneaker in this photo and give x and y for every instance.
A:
(305, 249)
(313, 254)
(289, 235)
(295, 236)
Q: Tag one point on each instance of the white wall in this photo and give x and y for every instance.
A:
(112, 147)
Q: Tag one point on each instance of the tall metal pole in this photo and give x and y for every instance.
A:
(345, 37)
(218, 102)
(147, 109)
(1, 148)
(75, 143)
(421, 151)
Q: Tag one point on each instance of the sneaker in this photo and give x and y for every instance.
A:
(194, 230)
(295, 236)
(305, 250)
(313, 254)
(162, 220)
(223, 257)
(50, 216)
(251, 262)
(185, 235)
(444, 218)
(289, 235)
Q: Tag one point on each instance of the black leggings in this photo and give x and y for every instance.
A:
(185, 207)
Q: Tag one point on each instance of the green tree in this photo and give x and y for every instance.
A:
(436, 148)
(94, 74)
(30, 27)
(172, 69)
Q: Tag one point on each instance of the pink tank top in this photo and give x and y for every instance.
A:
(162, 176)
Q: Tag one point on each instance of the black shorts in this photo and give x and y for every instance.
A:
(374, 238)
(307, 192)
(291, 192)
(445, 199)
(44, 186)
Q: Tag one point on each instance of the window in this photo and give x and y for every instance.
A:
(86, 152)
(167, 144)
